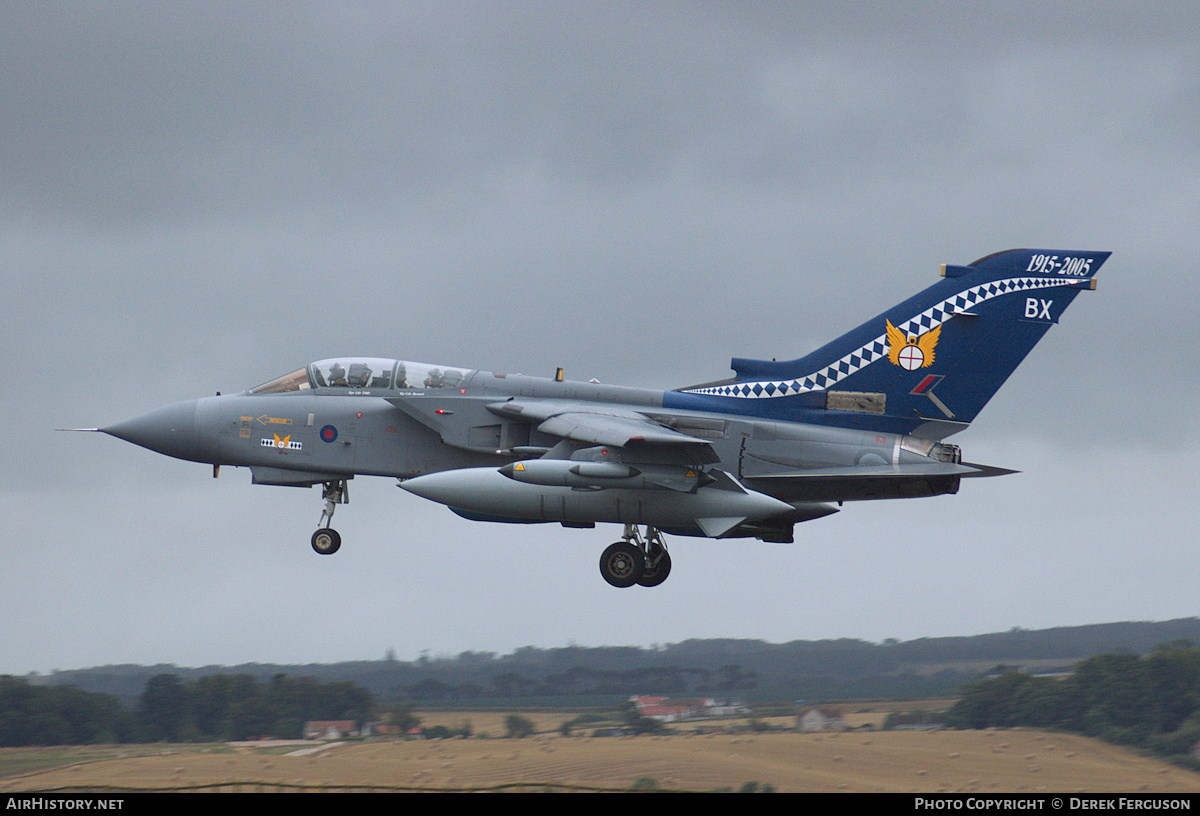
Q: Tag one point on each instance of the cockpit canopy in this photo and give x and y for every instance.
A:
(366, 374)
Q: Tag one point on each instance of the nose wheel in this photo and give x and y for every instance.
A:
(327, 540)
(636, 560)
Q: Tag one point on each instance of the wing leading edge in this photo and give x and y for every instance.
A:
(595, 425)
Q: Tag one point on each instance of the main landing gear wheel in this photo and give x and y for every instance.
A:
(636, 560)
(621, 564)
(656, 569)
(326, 541)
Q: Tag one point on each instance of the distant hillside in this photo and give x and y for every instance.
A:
(748, 669)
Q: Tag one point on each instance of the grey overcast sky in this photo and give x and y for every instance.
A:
(197, 197)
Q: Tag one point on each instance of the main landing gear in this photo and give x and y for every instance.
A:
(636, 560)
(327, 540)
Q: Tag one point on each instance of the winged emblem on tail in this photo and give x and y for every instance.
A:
(911, 353)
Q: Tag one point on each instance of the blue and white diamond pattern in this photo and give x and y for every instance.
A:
(876, 349)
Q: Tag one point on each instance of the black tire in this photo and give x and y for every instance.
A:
(326, 541)
(621, 564)
(655, 573)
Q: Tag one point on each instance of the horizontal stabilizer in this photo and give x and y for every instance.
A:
(986, 470)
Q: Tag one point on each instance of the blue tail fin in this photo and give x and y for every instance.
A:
(931, 362)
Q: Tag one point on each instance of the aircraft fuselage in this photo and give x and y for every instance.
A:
(321, 434)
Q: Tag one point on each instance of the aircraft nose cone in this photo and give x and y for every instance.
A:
(170, 431)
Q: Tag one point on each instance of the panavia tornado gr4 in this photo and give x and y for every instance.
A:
(861, 418)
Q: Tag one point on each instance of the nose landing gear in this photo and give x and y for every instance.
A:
(636, 560)
(327, 540)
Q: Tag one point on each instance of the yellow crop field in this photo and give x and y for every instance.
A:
(860, 761)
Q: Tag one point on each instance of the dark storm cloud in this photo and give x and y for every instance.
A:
(130, 111)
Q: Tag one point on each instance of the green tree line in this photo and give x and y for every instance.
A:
(751, 670)
(59, 715)
(214, 707)
(1151, 702)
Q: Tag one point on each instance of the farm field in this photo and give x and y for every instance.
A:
(896, 761)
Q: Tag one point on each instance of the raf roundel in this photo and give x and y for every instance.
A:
(911, 358)
(329, 434)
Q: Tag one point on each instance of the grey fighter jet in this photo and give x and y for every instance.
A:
(861, 418)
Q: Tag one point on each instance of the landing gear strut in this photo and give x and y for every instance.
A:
(636, 560)
(327, 540)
